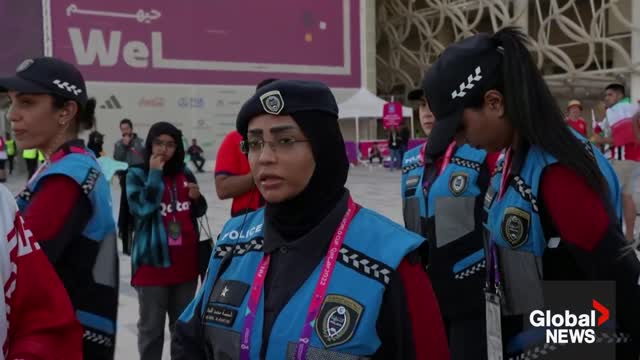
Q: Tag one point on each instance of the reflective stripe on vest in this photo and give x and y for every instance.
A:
(29, 153)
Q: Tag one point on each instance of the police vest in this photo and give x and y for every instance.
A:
(29, 153)
(414, 208)
(453, 230)
(96, 304)
(11, 147)
(515, 225)
(346, 323)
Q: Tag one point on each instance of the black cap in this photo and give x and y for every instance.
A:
(462, 73)
(415, 94)
(47, 75)
(286, 97)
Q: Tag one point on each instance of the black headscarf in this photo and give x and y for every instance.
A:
(96, 140)
(297, 216)
(176, 163)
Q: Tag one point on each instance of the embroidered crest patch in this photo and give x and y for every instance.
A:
(515, 226)
(337, 320)
(272, 102)
(458, 183)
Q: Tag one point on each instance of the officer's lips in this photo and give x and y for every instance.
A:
(427, 123)
(19, 133)
(269, 181)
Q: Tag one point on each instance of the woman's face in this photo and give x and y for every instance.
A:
(575, 112)
(35, 122)
(426, 117)
(280, 156)
(486, 127)
(165, 146)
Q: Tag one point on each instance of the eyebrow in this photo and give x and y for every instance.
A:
(273, 130)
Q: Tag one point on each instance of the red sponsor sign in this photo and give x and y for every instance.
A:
(392, 114)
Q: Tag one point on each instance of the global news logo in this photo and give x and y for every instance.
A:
(569, 328)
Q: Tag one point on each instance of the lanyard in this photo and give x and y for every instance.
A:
(506, 170)
(318, 294)
(173, 194)
(426, 182)
(493, 273)
(492, 261)
(447, 157)
(135, 151)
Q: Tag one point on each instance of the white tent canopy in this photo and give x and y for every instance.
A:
(364, 104)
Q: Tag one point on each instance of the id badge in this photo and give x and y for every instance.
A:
(494, 326)
(175, 233)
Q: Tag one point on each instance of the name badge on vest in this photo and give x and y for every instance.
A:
(494, 325)
(219, 315)
(337, 320)
(515, 226)
(175, 233)
(458, 183)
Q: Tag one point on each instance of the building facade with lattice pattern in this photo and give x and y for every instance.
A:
(579, 45)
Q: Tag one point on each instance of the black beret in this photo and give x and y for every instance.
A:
(286, 97)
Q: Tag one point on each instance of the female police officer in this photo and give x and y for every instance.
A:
(67, 203)
(442, 200)
(552, 203)
(313, 275)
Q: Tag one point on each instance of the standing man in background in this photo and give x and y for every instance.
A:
(3, 159)
(233, 174)
(624, 150)
(129, 149)
(11, 150)
(31, 159)
(233, 177)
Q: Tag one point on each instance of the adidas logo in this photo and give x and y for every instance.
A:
(111, 103)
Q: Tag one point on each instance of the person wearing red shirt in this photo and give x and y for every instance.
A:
(233, 174)
(165, 202)
(36, 317)
(574, 117)
(233, 178)
(553, 204)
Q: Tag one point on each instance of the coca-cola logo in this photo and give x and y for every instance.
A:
(151, 102)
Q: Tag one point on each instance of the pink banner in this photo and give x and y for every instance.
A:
(226, 42)
(392, 114)
(365, 147)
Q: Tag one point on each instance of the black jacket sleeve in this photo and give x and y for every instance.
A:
(394, 324)
(188, 342)
(613, 259)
